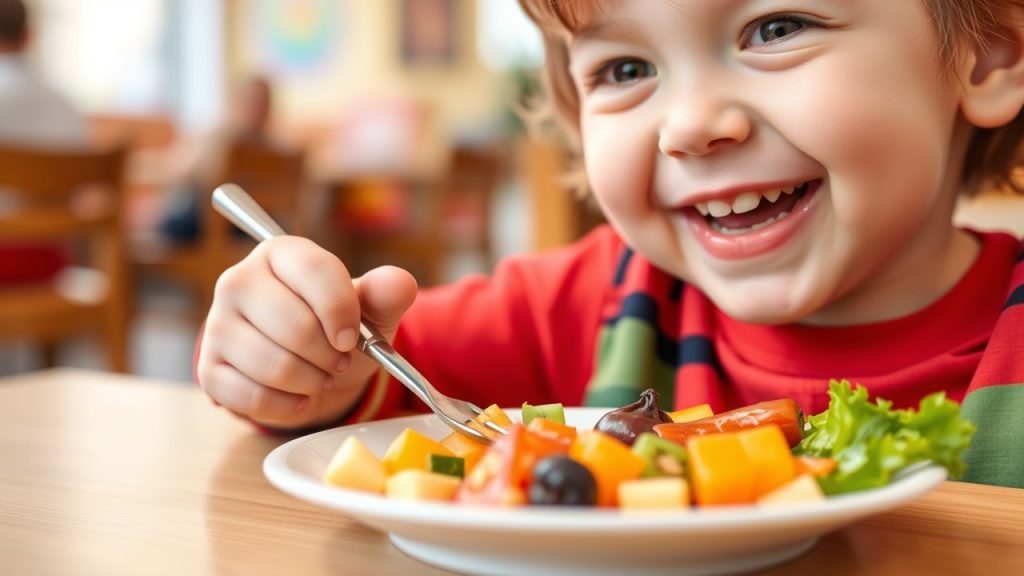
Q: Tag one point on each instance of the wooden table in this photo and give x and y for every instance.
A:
(105, 474)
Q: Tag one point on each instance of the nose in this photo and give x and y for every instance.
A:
(698, 124)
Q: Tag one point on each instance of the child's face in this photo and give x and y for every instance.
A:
(694, 105)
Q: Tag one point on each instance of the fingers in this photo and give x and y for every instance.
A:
(324, 284)
(385, 294)
(238, 393)
(261, 359)
(283, 317)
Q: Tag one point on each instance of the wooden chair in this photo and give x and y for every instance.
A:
(274, 177)
(75, 199)
(453, 214)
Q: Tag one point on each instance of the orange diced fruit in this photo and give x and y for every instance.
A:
(654, 493)
(720, 470)
(818, 466)
(609, 460)
(492, 413)
(411, 450)
(803, 488)
(552, 429)
(692, 413)
(469, 449)
(770, 456)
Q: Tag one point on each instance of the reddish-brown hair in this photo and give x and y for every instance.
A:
(993, 155)
(13, 21)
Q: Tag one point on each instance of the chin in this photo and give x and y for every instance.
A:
(760, 311)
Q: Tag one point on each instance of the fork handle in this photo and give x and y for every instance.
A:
(374, 345)
(241, 210)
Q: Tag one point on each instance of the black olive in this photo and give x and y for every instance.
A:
(560, 480)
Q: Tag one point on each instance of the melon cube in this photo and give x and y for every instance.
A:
(803, 488)
(355, 467)
(413, 484)
(654, 493)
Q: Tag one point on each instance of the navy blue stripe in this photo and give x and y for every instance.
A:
(698, 350)
(620, 268)
(1016, 297)
(675, 291)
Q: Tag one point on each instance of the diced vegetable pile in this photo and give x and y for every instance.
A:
(639, 456)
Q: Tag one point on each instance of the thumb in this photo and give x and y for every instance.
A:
(385, 294)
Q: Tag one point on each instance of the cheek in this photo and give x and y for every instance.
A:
(880, 148)
(618, 159)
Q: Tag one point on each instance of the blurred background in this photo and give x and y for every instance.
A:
(387, 130)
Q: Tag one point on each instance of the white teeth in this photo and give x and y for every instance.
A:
(745, 202)
(717, 208)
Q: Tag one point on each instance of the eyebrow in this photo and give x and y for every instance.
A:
(604, 29)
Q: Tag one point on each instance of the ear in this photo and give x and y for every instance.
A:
(993, 77)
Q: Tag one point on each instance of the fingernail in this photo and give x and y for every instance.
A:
(346, 339)
(344, 362)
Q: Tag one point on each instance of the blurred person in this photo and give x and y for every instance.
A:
(197, 161)
(31, 114)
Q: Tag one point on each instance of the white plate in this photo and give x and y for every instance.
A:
(532, 541)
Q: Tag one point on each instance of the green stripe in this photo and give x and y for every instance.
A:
(627, 366)
(996, 455)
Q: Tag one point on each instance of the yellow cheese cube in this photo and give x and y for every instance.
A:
(720, 470)
(411, 450)
(692, 413)
(770, 456)
(421, 485)
(654, 493)
(355, 467)
(803, 488)
(492, 413)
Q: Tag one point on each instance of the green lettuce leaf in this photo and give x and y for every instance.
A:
(871, 441)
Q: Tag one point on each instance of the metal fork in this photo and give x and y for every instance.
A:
(236, 205)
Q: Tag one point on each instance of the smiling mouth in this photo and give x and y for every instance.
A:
(751, 211)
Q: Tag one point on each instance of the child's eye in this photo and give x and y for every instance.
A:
(773, 29)
(624, 72)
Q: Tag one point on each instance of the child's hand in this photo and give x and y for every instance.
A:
(279, 342)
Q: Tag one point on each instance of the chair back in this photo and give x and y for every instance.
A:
(275, 178)
(58, 195)
(71, 198)
(467, 196)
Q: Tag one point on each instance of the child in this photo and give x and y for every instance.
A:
(779, 185)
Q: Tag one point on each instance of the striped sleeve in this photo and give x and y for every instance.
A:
(995, 399)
